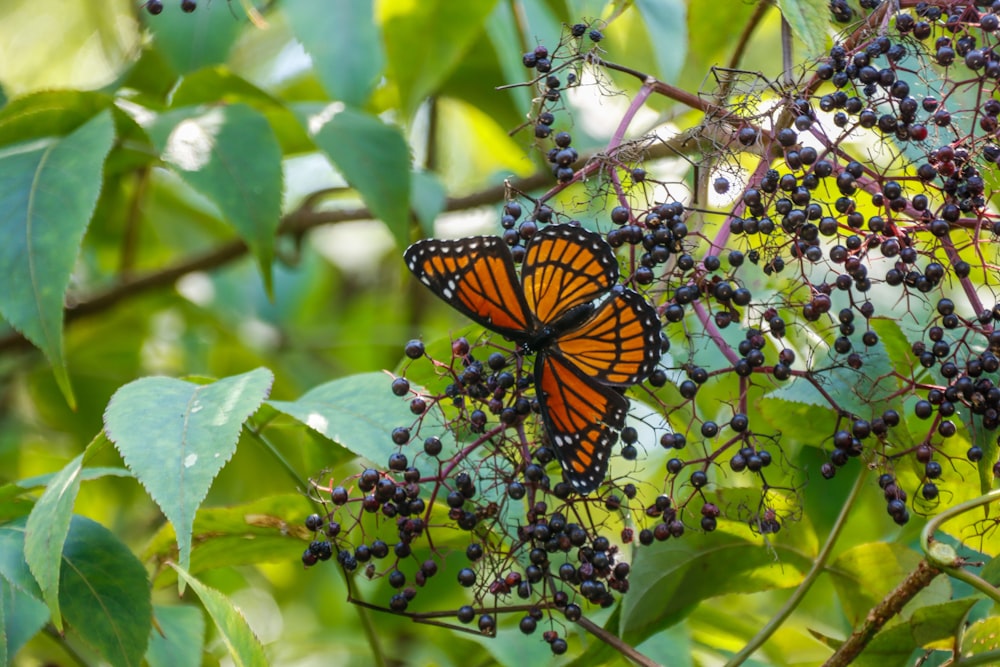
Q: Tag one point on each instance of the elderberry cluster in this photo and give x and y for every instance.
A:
(562, 156)
(835, 225)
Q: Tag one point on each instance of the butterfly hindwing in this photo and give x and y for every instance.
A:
(584, 356)
(619, 344)
(582, 418)
(476, 276)
(565, 266)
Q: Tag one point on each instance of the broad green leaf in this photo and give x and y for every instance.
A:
(666, 24)
(21, 617)
(104, 593)
(501, 27)
(230, 155)
(927, 625)
(669, 578)
(428, 199)
(49, 113)
(48, 191)
(349, 65)
(357, 412)
(212, 84)
(808, 20)
(418, 65)
(180, 639)
(243, 645)
(865, 574)
(45, 533)
(192, 41)
(269, 530)
(176, 436)
(372, 157)
(981, 637)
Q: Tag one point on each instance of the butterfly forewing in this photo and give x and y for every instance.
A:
(581, 417)
(565, 266)
(619, 344)
(477, 277)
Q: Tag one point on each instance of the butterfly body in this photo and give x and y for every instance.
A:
(591, 337)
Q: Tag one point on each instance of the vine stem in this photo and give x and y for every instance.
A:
(944, 557)
(818, 566)
(278, 456)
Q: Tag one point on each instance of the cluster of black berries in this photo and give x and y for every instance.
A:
(155, 7)
(562, 156)
(556, 556)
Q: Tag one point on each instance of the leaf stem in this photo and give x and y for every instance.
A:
(278, 456)
(819, 564)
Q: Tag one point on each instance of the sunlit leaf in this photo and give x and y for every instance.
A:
(666, 23)
(349, 66)
(47, 194)
(865, 574)
(244, 647)
(230, 155)
(372, 156)
(808, 20)
(669, 578)
(176, 436)
(357, 412)
(418, 65)
(269, 530)
(45, 533)
(927, 625)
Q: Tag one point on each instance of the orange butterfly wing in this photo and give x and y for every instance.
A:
(619, 344)
(565, 266)
(475, 276)
(582, 418)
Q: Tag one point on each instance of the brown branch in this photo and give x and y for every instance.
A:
(614, 642)
(884, 611)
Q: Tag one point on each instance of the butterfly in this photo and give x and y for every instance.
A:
(591, 336)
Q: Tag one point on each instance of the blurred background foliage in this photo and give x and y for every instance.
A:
(164, 284)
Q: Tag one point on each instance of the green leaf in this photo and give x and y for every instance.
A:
(981, 636)
(104, 593)
(666, 24)
(243, 645)
(429, 198)
(927, 625)
(268, 530)
(180, 639)
(357, 412)
(808, 20)
(49, 113)
(419, 65)
(669, 578)
(192, 41)
(47, 194)
(868, 572)
(372, 157)
(176, 436)
(349, 66)
(212, 84)
(13, 568)
(46, 530)
(21, 617)
(230, 155)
